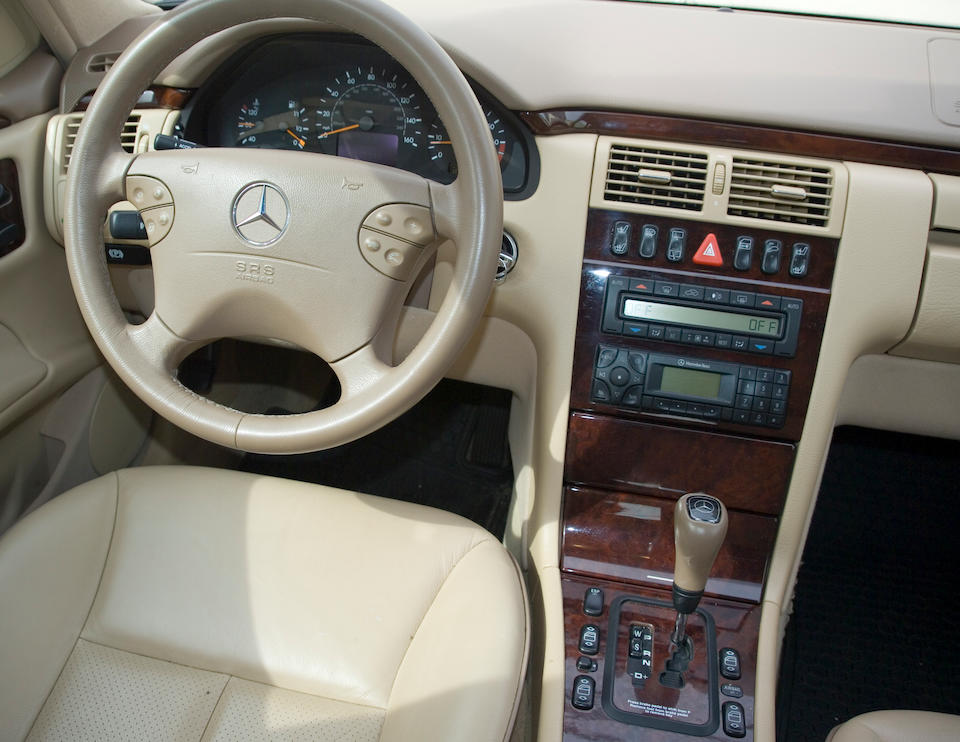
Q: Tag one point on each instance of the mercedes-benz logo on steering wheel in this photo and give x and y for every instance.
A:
(260, 214)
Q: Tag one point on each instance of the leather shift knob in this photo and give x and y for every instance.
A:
(699, 527)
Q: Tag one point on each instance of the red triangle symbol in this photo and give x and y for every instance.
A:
(709, 252)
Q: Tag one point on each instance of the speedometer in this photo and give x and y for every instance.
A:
(373, 115)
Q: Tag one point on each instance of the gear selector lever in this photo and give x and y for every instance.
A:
(699, 526)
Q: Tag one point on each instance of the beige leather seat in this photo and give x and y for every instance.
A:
(186, 604)
(898, 726)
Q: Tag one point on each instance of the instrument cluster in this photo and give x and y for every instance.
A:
(343, 96)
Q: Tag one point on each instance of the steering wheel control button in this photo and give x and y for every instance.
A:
(770, 261)
(677, 244)
(589, 639)
(620, 238)
(127, 225)
(392, 257)
(583, 692)
(145, 192)
(407, 222)
(648, 241)
(593, 601)
(157, 223)
(730, 663)
(260, 214)
(734, 721)
(709, 252)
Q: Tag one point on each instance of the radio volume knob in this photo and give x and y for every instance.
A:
(619, 376)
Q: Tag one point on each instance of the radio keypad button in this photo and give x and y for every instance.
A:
(744, 401)
(661, 405)
(741, 416)
(673, 334)
(600, 392)
(761, 404)
(763, 389)
(638, 362)
(632, 397)
(716, 296)
(711, 412)
(693, 293)
(619, 376)
(675, 405)
(687, 337)
(742, 298)
(748, 372)
(758, 418)
(655, 332)
(747, 387)
(606, 357)
(781, 377)
(696, 410)
(739, 342)
(666, 288)
(778, 406)
(775, 421)
(723, 340)
(648, 240)
(765, 375)
(635, 329)
(779, 391)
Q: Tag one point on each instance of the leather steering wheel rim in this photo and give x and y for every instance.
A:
(145, 356)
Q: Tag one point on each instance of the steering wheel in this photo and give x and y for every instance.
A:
(313, 249)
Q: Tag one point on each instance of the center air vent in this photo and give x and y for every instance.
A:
(656, 177)
(781, 192)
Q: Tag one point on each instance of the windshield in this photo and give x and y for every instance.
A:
(921, 12)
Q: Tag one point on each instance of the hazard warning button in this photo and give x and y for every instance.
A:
(708, 252)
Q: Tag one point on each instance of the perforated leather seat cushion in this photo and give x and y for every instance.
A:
(184, 603)
(898, 726)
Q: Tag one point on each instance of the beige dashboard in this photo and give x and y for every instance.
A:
(891, 333)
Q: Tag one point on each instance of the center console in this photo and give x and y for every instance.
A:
(696, 349)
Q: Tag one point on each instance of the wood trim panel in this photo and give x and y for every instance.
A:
(629, 538)
(631, 456)
(11, 211)
(744, 136)
(163, 97)
(737, 626)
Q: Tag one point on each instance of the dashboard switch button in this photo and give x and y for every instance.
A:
(800, 260)
(709, 252)
(677, 244)
(593, 601)
(620, 239)
(770, 262)
(648, 241)
(743, 254)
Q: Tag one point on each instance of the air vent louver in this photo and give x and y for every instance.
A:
(656, 177)
(100, 63)
(128, 135)
(781, 192)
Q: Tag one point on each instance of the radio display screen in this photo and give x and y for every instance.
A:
(691, 383)
(748, 324)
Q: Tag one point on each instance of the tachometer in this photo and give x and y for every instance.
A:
(440, 149)
(263, 125)
(371, 115)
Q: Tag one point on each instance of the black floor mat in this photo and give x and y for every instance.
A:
(877, 599)
(449, 452)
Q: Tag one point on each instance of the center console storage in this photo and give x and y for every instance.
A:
(696, 350)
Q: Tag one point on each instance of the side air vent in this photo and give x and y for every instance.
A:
(656, 177)
(100, 63)
(781, 192)
(128, 135)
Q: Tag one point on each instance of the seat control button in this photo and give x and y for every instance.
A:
(743, 254)
(730, 663)
(583, 691)
(593, 601)
(648, 241)
(800, 260)
(734, 720)
(677, 244)
(770, 261)
(620, 239)
(590, 640)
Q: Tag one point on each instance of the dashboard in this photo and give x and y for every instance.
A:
(343, 96)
